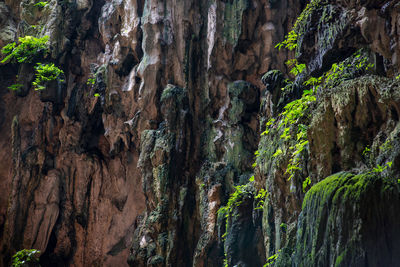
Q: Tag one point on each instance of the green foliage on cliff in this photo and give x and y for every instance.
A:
(26, 50)
(271, 260)
(240, 193)
(46, 73)
(15, 87)
(290, 123)
(290, 41)
(41, 4)
(30, 49)
(235, 199)
(26, 257)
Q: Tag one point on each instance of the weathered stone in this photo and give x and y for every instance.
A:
(349, 220)
(137, 161)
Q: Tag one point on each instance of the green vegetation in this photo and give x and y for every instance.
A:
(260, 197)
(235, 199)
(386, 146)
(296, 68)
(26, 257)
(46, 73)
(292, 124)
(353, 66)
(306, 183)
(292, 128)
(15, 87)
(290, 41)
(271, 260)
(369, 159)
(41, 4)
(27, 50)
(379, 168)
(91, 81)
(30, 49)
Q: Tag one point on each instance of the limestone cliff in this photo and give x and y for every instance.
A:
(152, 128)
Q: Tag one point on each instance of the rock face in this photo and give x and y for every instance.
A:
(128, 160)
(341, 223)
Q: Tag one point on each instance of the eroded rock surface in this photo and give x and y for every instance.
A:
(84, 167)
(129, 159)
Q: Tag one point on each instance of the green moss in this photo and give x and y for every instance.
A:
(233, 20)
(236, 90)
(210, 138)
(301, 21)
(336, 213)
(339, 259)
(340, 187)
(172, 91)
(329, 28)
(324, 189)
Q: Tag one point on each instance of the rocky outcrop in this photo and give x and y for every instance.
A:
(170, 85)
(349, 220)
(134, 157)
(351, 127)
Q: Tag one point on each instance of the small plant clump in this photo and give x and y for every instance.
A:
(26, 51)
(235, 199)
(290, 41)
(26, 257)
(46, 73)
(368, 157)
(271, 260)
(91, 81)
(292, 116)
(41, 4)
(306, 183)
(30, 49)
(15, 87)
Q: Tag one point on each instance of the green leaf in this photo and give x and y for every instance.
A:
(277, 153)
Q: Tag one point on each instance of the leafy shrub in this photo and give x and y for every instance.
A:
(27, 49)
(26, 257)
(45, 73)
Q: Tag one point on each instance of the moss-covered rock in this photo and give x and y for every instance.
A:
(233, 20)
(358, 113)
(349, 220)
(243, 231)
